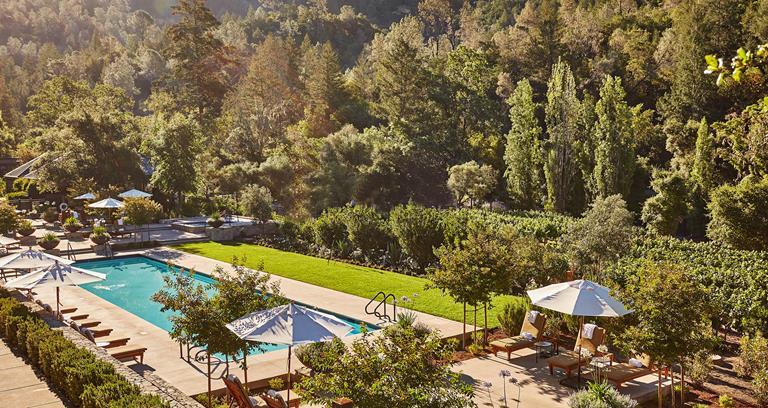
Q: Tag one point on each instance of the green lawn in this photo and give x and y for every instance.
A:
(344, 277)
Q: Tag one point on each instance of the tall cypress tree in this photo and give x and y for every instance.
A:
(704, 160)
(562, 118)
(522, 156)
(614, 152)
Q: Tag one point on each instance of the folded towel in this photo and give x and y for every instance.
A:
(527, 336)
(635, 363)
(532, 316)
(588, 331)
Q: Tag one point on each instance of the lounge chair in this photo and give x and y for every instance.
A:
(624, 372)
(105, 342)
(127, 353)
(243, 400)
(511, 344)
(97, 331)
(62, 309)
(569, 360)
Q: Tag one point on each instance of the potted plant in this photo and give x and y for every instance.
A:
(48, 241)
(25, 228)
(99, 235)
(215, 220)
(50, 215)
(71, 224)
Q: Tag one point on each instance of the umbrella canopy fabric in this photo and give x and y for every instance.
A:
(31, 259)
(107, 203)
(289, 324)
(578, 298)
(86, 196)
(55, 276)
(133, 193)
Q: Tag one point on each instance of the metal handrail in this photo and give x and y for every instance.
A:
(373, 299)
(383, 302)
(71, 252)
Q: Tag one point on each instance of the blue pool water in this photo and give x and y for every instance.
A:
(131, 282)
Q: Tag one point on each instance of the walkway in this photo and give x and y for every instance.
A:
(20, 386)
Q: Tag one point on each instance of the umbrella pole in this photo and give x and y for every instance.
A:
(57, 302)
(289, 376)
(581, 326)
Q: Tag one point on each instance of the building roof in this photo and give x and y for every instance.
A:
(26, 170)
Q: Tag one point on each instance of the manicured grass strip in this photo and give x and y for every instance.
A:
(344, 277)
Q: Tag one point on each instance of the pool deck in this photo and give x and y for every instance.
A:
(162, 355)
(20, 385)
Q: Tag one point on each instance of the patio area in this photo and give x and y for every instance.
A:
(538, 389)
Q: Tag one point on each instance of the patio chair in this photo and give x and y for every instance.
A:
(511, 344)
(569, 360)
(624, 372)
(276, 400)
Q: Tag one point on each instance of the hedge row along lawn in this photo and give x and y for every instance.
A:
(353, 279)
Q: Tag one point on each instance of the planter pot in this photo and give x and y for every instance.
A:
(215, 223)
(28, 241)
(50, 219)
(73, 228)
(100, 239)
(48, 245)
(26, 232)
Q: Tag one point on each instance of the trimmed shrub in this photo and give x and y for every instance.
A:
(511, 317)
(141, 401)
(256, 202)
(141, 211)
(330, 229)
(101, 396)
(368, 230)
(8, 218)
(600, 395)
(419, 231)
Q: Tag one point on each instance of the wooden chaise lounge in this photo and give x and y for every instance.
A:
(569, 360)
(105, 342)
(624, 372)
(519, 342)
(243, 400)
(127, 353)
(96, 331)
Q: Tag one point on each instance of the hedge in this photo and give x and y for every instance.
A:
(85, 380)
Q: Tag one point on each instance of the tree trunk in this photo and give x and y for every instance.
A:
(672, 384)
(245, 368)
(474, 328)
(659, 396)
(485, 323)
(209, 378)
(682, 385)
(464, 328)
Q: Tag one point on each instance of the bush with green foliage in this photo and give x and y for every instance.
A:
(511, 317)
(367, 230)
(25, 228)
(72, 224)
(330, 230)
(142, 211)
(753, 362)
(394, 368)
(85, 380)
(600, 395)
(419, 231)
(9, 221)
(50, 215)
(256, 202)
(740, 215)
(321, 357)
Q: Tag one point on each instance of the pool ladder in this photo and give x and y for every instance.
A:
(382, 304)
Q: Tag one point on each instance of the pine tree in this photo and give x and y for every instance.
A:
(523, 151)
(614, 153)
(704, 161)
(562, 117)
(323, 89)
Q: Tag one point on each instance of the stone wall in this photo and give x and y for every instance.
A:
(147, 381)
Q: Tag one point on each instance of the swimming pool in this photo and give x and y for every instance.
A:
(132, 280)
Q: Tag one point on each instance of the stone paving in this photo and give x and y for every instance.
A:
(20, 387)
(538, 389)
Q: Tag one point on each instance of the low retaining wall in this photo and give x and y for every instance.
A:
(147, 381)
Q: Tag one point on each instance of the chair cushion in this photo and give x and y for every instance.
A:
(624, 372)
(567, 359)
(511, 342)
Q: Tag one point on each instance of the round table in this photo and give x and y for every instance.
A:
(541, 346)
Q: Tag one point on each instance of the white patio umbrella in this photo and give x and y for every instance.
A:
(56, 276)
(108, 203)
(86, 196)
(289, 324)
(578, 298)
(31, 259)
(133, 193)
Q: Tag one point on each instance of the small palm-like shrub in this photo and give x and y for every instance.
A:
(99, 235)
(25, 228)
(71, 224)
(600, 395)
(214, 220)
(48, 241)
